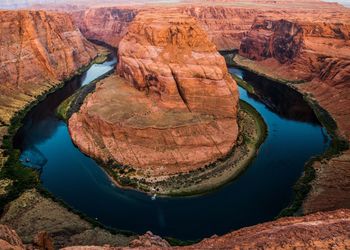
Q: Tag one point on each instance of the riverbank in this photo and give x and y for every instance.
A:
(21, 188)
(11, 168)
(253, 131)
(308, 182)
(72, 104)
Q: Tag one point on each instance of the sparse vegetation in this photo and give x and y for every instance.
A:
(23, 178)
(249, 88)
(253, 131)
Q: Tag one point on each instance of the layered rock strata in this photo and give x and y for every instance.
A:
(38, 50)
(225, 23)
(316, 54)
(173, 111)
(107, 24)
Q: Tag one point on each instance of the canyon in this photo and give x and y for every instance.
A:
(303, 44)
(173, 107)
(296, 42)
(314, 57)
(38, 50)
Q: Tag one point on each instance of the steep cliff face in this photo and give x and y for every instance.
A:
(107, 24)
(279, 39)
(225, 26)
(176, 110)
(37, 51)
(315, 50)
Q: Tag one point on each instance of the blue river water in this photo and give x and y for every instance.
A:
(257, 195)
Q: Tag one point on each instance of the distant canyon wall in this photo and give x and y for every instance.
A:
(224, 26)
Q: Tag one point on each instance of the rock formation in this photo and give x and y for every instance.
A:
(107, 24)
(328, 230)
(225, 22)
(38, 50)
(279, 39)
(176, 109)
(315, 51)
(225, 26)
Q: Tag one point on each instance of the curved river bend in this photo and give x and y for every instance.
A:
(257, 195)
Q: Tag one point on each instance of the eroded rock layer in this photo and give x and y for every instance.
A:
(314, 52)
(225, 22)
(175, 108)
(107, 24)
(38, 50)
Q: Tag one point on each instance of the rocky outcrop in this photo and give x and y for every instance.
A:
(316, 231)
(176, 109)
(107, 24)
(9, 239)
(315, 51)
(38, 50)
(225, 26)
(279, 39)
(46, 224)
(328, 230)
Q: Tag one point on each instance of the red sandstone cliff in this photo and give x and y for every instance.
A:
(315, 50)
(38, 50)
(107, 24)
(176, 110)
(225, 26)
(225, 22)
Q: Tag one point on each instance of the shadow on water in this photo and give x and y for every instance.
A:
(258, 195)
(280, 99)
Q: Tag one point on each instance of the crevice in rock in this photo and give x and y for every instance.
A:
(180, 90)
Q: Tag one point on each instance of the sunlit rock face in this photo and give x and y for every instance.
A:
(315, 50)
(172, 110)
(37, 50)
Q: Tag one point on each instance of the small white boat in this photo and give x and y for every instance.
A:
(154, 197)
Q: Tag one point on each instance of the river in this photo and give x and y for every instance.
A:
(257, 195)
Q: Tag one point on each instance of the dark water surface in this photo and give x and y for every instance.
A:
(258, 195)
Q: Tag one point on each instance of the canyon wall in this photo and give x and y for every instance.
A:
(225, 22)
(38, 50)
(314, 51)
(225, 26)
(174, 109)
(107, 24)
